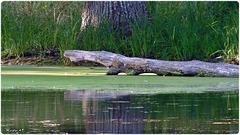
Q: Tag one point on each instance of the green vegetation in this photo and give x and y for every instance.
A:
(52, 78)
(205, 31)
(130, 72)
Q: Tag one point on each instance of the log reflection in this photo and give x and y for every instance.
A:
(108, 112)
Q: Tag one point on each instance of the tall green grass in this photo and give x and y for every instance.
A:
(175, 31)
(34, 27)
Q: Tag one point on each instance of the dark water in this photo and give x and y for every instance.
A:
(90, 112)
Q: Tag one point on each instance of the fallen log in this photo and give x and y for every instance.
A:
(118, 63)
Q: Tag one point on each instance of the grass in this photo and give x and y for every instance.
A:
(205, 31)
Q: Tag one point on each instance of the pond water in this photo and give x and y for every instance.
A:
(88, 111)
(55, 99)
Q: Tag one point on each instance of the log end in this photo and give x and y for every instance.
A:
(73, 55)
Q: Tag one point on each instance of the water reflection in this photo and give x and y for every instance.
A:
(89, 112)
(114, 115)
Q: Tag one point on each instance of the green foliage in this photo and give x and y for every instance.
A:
(130, 72)
(175, 31)
(29, 27)
(112, 72)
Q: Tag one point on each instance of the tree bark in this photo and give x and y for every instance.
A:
(134, 66)
(119, 14)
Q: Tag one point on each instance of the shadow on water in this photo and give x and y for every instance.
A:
(91, 112)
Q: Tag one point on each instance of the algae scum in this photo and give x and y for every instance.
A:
(50, 99)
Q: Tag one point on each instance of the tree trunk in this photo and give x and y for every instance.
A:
(119, 14)
(133, 66)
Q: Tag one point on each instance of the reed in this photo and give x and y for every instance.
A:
(176, 31)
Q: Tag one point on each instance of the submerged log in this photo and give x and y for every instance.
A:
(118, 63)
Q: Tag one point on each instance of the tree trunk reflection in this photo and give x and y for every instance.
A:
(108, 112)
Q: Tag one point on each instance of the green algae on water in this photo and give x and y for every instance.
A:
(95, 78)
